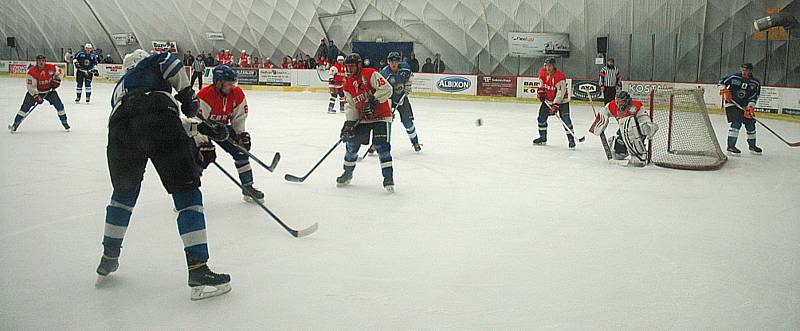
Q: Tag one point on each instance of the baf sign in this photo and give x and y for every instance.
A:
(453, 84)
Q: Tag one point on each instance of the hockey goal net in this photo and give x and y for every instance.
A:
(685, 139)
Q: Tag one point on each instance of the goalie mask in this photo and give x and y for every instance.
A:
(623, 101)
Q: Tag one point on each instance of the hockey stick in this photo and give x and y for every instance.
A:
(320, 76)
(295, 179)
(603, 139)
(297, 234)
(571, 133)
(795, 144)
(275, 159)
(270, 168)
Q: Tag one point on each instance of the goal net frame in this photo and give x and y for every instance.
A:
(672, 144)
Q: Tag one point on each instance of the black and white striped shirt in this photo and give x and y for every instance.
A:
(610, 77)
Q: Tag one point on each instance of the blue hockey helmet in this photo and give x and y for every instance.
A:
(224, 73)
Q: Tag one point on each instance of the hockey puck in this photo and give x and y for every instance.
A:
(479, 122)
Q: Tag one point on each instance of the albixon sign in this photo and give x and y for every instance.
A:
(453, 84)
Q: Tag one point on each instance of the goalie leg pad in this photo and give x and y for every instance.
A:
(633, 138)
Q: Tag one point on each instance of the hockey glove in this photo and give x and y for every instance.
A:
(94, 72)
(749, 112)
(347, 130)
(39, 98)
(243, 139)
(206, 154)
(215, 131)
(541, 95)
(188, 101)
(55, 83)
(554, 108)
(726, 95)
(369, 106)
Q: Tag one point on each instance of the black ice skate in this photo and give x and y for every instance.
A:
(572, 144)
(733, 151)
(755, 150)
(251, 194)
(109, 263)
(417, 147)
(87, 100)
(540, 141)
(12, 128)
(66, 127)
(388, 184)
(207, 284)
(78, 100)
(344, 179)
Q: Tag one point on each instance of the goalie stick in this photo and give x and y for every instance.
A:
(794, 144)
(603, 138)
(296, 233)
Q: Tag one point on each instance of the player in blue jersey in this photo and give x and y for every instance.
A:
(145, 125)
(85, 61)
(740, 93)
(399, 76)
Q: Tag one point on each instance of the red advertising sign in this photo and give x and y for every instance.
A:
(497, 86)
(18, 68)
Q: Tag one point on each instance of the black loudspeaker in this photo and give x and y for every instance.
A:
(11, 42)
(602, 45)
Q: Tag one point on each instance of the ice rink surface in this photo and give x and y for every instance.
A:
(485, 231)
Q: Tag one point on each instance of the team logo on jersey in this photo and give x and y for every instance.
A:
(453, 84)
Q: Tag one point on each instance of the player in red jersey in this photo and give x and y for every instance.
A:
(43, 79)
(338, 74)
(555, 101)
(224, 102)
(368, 112)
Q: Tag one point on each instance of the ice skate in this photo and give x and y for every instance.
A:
(207, 284)
(733, 151)
(250, 194)
(388, 184)
(344, 179)
(755, 150)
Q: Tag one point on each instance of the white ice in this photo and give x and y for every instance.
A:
(485, 231)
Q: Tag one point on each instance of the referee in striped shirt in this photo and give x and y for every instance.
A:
(610, 79)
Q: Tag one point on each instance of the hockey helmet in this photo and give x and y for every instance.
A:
(393, 56)
(133, 58)
(223, 73)
(88, 46)
(623, 99)
(550, 60)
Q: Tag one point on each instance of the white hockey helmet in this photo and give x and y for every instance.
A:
(340, 58)
(133, 58)
(88, 45)
(244, 51)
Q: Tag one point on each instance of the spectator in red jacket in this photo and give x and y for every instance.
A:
(267, 64)
(287, 63)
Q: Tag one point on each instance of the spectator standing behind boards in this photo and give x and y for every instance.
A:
(256, 62)
(68, 57)
(322, 63)
(438, 64)
(268, 64)
(198, 68)
(381, 65)
(610, 79)
(414, 63)
(428, 66)
(244, 59)
(108, 59)
(210, 61)
(188, 59)
(322, 50)
(287, 63)
(333, 51)
(309, 62)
